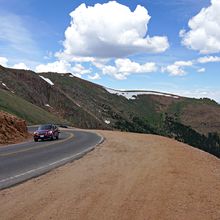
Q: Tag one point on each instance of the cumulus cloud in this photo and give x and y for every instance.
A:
(125, 67)
(80, 69)
(22, 66)
(72, 58)
(57, 66)
(209, 59)
(109, 30)
(4, 61)
(96, 76)
(63, 67)
(177, 68)
(204, 33)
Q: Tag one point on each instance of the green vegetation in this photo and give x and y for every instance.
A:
(88, 105)
(208, 101)
(137, 125)
(145, 107)
(145, 114)
(176, 108)
(31, 113)
(174, 129)
(186, 134)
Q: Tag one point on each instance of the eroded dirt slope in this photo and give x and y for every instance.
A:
(129, 176)
(12, 129)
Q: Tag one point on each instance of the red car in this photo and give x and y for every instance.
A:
(46, 132)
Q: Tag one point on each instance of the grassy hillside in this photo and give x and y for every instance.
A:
(31, 113)
(31, 87)
(193, 121)
(88, 105)
(203, 115)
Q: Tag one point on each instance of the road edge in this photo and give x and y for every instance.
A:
(50, 167)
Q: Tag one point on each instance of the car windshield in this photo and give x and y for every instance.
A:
(45, 127)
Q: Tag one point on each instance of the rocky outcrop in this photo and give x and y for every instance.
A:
(12, 129)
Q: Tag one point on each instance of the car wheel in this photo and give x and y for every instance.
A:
(52, 138)
(35, 139)
(57, 137)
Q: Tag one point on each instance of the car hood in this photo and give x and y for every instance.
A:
(42, 131)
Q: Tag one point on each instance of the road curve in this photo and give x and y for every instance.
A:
(20, 162)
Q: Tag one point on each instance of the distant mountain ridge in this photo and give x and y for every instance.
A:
(64, 98)
(89, 105)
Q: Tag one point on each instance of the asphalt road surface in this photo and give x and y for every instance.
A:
(20, 162)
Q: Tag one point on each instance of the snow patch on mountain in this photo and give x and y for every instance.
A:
(107, 122)
(47, 80)
(7, 88)
(47, 105)
(133, 94)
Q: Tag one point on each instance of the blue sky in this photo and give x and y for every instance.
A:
(169, 46)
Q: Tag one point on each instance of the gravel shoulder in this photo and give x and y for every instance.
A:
(129, 176)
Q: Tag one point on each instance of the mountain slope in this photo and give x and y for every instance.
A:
(31, 87)
(203, 115)
(33, 114)
(88, 105)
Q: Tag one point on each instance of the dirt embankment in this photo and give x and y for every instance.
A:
(129, 176)
(12, 129)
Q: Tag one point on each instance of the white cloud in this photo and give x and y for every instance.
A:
(109, 30)
(72, 58)
(204, 34)
(201, 70)
(63, 67)
(209, 59)
(96, 76)
(184, 63)
(57, 66)
(112, 70)
(4, 61)
(177, 69)
(22, 66)
(126, 67)
(79, 69)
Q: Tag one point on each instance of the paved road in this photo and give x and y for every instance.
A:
(23, 161)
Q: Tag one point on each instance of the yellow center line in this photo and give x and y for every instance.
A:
(39, 147)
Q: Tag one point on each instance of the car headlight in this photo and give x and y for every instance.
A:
(50, 132)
